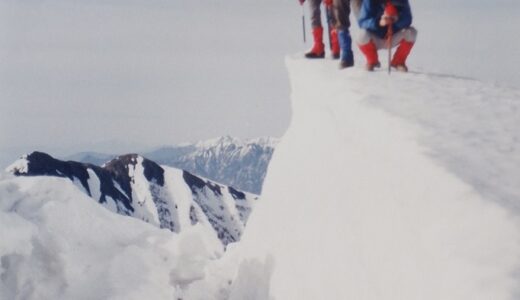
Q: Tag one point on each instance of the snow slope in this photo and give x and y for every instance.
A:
(406, 190)
(56, 243)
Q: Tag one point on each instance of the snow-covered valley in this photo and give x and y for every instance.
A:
(384, 187)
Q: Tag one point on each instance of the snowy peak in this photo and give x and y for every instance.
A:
(238, 163)
(134, 186)
(108, 188)
(225, 142)
(152, 171)
(228, 160)
(123, 170)
(220, 142)
(39, 163)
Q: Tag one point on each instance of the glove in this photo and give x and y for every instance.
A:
(327, 2)
(389, 16)
(390, 11)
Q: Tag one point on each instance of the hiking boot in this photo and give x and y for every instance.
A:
(318, 48)
(400, 55)
(370, 51)
(400, 68)
(345, 43)
(343, 64)
(372, 67)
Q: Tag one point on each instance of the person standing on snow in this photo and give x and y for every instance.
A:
(318, 48)
(374, 18)
(342, 25)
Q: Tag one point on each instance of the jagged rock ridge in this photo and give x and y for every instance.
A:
(134, 186)
(234, 162)
(230, 161)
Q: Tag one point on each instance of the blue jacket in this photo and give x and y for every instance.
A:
(372, 10)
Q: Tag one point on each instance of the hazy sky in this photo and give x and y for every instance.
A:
(77, 73)
(118, 75)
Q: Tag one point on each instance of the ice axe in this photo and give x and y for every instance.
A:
(303, 22)
(390, 15)
(389, 37)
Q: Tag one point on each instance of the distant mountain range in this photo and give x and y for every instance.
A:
(163, 196)
(230, 161)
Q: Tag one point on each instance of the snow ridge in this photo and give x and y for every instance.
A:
(132, 185)
(376, 211)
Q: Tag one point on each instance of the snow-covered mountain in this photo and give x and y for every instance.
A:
(407, 189)
(228, 160)
(234, 162)
(166, 197)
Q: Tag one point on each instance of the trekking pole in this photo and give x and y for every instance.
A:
(303, 24)
(389, 37)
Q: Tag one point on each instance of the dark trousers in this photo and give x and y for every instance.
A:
(342, 14)
(316, 14)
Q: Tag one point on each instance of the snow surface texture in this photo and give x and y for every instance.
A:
(56, 243)
(405, 190)
(162, 196)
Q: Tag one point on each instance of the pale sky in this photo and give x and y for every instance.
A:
(79, 75)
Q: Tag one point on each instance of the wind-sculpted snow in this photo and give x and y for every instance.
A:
(134, 186)
(56, 243)
(472, 129)
(407, 189)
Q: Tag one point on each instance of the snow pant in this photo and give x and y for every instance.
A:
(316, 13)
(341, 13)
(355, 6)
(408, 34)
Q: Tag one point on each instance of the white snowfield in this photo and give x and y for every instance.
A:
(401, 187)
(56, 243)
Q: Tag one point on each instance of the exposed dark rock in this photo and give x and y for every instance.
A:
(117, 180)
(237, 195)
(40, 163)
(195, 182)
